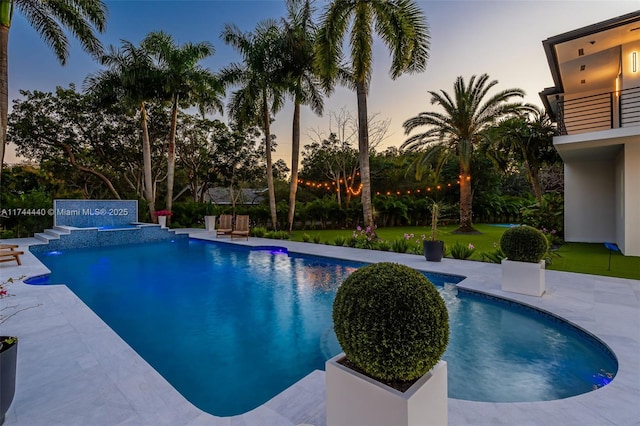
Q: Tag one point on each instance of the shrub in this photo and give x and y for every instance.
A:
(549, 214)
(494, 256)
(258, 231)
(340, 240)
(384, 245)
(400, 245)
(524, 244)
(391, 321)
(316, 238)
(460, 251)
(417, 249)
(277, 235)
(306, 237)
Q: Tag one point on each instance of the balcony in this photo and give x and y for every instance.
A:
(601, 111)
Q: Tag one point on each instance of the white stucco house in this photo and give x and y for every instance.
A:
(596, 104)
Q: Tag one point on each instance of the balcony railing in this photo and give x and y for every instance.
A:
(602, 111)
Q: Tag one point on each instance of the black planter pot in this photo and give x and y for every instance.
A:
(433, 250)
(8, 358)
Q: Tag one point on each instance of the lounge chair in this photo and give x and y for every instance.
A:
(242, 227)
(225, 226)
(9, 254)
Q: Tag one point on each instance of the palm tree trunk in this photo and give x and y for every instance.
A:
(146, 159)
(363, 146)
(534, 181)
(295, 154)
(171, 156)
(5, 17)
(465, 203)
(267, 136)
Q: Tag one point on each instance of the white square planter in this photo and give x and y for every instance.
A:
(162, 220)
(354, 399)
(523, 277)
(210, 223)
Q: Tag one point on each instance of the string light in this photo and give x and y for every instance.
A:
(331, 186)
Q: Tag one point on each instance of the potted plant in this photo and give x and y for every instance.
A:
(209, 218)
(8, 351)
(393, 327)
(162, 217)
(523, 268)
(433, 249)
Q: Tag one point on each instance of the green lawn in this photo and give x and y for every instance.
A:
(571, 257)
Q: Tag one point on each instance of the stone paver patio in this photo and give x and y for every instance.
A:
(74, 370)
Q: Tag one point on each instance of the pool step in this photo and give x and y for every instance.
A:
(51, 234)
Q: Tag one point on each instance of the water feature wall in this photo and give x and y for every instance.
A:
(90, 213)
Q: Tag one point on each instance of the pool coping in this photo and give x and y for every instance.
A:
(99, 379)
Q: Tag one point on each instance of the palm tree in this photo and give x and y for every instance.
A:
(185, 84)
(81, 17)
(131, 78)
(530, 136)
(401, 26)
(458, 130)
(262, 85)
(299, 32)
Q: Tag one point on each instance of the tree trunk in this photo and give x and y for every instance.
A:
(96, 173)
(146, 158)
(5, 24)
(363, 146)
(171, 155)
(267, 141)
(534, 181)
(295, 154)
(466, 225)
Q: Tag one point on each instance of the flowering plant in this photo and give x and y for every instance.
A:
(162, 213)
(364, 238)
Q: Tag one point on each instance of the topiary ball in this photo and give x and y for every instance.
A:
(524, 244)
(391, 321)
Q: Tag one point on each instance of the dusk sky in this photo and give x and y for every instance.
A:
(500, 38)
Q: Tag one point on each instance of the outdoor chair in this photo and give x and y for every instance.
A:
(242, 227)
(225, 226)
(9, 254)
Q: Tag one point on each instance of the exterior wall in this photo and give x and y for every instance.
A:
(632, 198)
(629, 78)
(589, 201)
(620, 201)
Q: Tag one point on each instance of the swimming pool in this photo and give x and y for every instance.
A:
(230, 327)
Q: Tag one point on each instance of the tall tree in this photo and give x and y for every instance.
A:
(529, 137)
(81, 17)
(457, 131)
(299, 33)
(65, 127)
(402, 27)
(261, 82)
(185, 84)
(132, 78)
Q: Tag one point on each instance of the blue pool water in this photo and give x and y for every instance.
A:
(231, 327)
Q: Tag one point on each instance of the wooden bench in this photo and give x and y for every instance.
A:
(8, 253)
